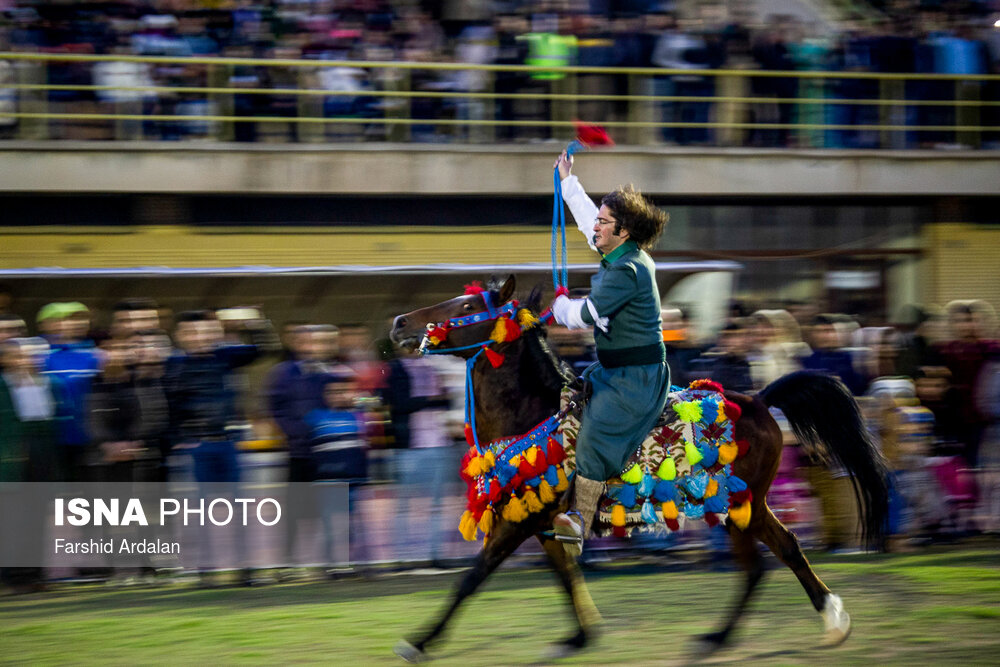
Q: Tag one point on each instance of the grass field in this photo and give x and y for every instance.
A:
(941, 606)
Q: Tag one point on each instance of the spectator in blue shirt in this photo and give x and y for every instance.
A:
(76, 361)
(828, 358)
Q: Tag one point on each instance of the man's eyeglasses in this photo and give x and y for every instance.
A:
(605, 221)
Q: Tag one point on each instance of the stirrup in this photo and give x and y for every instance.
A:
(576, 538)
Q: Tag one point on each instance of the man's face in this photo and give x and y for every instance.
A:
(11, 329)
(75, 327)
(931, 389)
(151, 350)
(319, 346)
(199, 337)
(824, 337)
(733, 342)
(23, 358)
(126, 322)
(339, 395)
(294, 337)
(963, 325)
(605, 238)
(119, 353)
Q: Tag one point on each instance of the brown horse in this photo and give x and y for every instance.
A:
(525, 390)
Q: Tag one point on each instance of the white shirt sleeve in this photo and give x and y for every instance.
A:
(581, 206)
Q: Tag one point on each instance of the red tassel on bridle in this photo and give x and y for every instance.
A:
(475, 287)
(496, 359)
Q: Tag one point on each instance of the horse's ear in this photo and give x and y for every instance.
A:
(534, 301)
(507, 289)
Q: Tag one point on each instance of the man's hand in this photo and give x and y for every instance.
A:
(565, 165)
(567, 312)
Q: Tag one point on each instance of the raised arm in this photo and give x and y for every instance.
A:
(581, 206)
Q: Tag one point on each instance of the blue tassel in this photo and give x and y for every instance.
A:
(696, 485)
(647, 485)
(715, 504)
(735, 484)
(534, 481)
(694, 511)
(627, 495)
(709, 410)
(551, 476)
(648, 512)
(709, 455)
(665, 491)
(504, 473)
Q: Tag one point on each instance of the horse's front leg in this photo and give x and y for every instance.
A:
(505, 539)
(587, 616)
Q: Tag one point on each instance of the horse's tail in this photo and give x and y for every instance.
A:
(824, 414)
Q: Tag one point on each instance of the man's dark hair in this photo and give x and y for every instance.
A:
(643, 221)
(194, 316)
(734, 325)
(138, 303)
(823, 321)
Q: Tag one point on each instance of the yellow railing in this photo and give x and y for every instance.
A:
(817, 117)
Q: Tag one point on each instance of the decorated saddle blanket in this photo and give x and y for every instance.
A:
(682, 470)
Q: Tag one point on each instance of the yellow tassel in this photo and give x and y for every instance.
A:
(740, 515)
(526, 318)
(667, 470)
(486, 521)
(532, 502)
(669, 510)
(563, 481)
(489, 460)
(514, 510)
(475, 467)
(515, 460)
(693, 455)
(712, 488)
(545, 492)
(531, 455)
(721, 417)
(727, 453)
(633, 475)
(499, 334)
(618, 515)
(467, 526)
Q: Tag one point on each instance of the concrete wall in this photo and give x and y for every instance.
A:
(417, 169)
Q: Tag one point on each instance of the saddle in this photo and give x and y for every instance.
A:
(682, 470)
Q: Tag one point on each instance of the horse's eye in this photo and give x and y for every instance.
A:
(467, 307)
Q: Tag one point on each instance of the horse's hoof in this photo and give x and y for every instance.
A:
(837, 622)
(559, 651)
(409, 652)
(714, 639)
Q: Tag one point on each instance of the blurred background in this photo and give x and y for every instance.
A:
(211, 210)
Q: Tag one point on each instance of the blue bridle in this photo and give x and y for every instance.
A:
(491, 314)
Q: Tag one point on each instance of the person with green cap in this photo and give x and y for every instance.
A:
(76, 361)
(631, 378)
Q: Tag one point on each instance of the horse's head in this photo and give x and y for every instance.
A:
(465, 320)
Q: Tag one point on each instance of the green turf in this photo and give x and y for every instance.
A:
(936, 607)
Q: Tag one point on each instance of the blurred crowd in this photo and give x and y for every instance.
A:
(900, 36)
(120, 397)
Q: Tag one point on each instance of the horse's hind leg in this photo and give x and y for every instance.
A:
(746, 554)
(506, 538)
(587, 616)
(786, 547)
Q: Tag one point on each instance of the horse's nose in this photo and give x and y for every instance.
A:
(398, 324)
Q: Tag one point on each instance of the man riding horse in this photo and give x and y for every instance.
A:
(631, 378)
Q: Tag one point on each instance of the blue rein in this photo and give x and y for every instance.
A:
(560, 278)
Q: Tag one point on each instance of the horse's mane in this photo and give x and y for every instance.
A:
(540, 364)
(553, 372)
